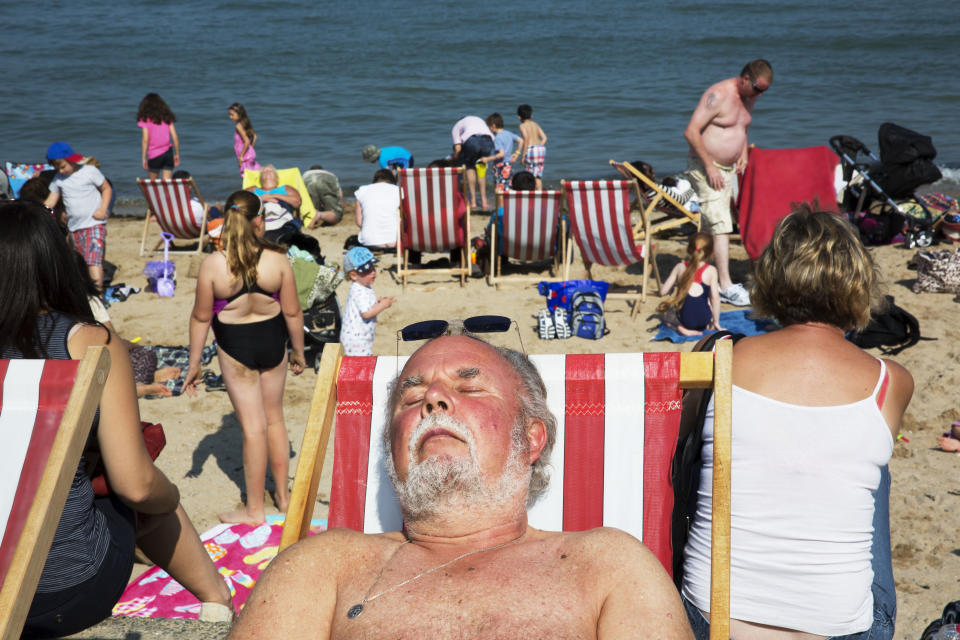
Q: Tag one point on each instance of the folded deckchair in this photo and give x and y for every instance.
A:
(599, 212)
(169, 202)
(660, 209)
(290, 177)
(610, 466)
(434, 217)
(46, 409)
(531, 230)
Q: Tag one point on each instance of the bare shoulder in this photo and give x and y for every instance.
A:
(608, 545)
(901, 383)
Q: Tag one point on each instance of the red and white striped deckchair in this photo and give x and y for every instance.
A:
(46, 409)
(434, 217)
(611, 465)
(599, 212)
(532, 231)
(169, 201)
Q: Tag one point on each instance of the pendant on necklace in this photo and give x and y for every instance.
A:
(354, 611)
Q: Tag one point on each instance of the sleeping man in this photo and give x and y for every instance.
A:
(468, 442)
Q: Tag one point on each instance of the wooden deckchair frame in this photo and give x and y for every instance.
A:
(20, 583)
(464, 270)
(557, 269)
(700, 370)
(150, 213)
(649, 206)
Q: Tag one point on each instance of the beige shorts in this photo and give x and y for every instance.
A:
(715, 216)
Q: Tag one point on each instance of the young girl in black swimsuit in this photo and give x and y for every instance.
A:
(247, 292)
(695, 303)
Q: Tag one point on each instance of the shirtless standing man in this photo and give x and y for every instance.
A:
(717, 135)
(533, 150)
(468, 440)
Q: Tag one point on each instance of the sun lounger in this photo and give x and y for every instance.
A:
(46, 410)
(611, 464)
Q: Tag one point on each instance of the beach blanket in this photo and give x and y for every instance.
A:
(20, 172)
(737, 321)
(240, 552)
(777, 178)
(177, 356)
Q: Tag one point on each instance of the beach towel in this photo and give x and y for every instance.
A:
(19, 172)
(293, 178)
(776, 178)
(240, 552)
(733, 321)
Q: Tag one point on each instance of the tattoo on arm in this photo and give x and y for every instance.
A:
(711, 100)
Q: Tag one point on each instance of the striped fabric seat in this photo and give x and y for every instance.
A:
(434, 217)
(169, 201)
(46, 410)
(531, 231)
(610, 465)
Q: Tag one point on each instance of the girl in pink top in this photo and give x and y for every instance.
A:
(157, 153)
(244, 137)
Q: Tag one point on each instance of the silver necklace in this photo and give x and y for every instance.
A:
(357, 609)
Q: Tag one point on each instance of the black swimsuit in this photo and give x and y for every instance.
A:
(255, 345)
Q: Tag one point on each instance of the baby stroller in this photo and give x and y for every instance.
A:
(316, 289)
(872, 183)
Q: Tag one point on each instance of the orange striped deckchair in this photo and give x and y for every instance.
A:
(531, 230)
(600, 222)
(169, 201)
(434, 217)
(46, 410)
(610, 466)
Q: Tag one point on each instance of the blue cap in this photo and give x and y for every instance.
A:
(359, 259)
(62, 151)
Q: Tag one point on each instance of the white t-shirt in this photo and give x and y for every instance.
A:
(380, 202)
(80, 192)
(356, 334)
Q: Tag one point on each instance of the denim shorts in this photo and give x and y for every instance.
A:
(474, 148)
(164, 161)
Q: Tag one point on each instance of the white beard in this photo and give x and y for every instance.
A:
(442, 484)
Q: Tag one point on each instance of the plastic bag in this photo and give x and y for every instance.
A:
(561, 293)
(162, 274)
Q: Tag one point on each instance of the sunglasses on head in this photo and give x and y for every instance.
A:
(429, 329)
(435, 328)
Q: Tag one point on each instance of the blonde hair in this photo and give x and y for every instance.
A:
(241, 245)
(699, 251)
(815, 269)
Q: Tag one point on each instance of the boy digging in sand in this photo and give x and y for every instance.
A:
(534, 149)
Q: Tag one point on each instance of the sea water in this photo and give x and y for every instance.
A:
(606, 80)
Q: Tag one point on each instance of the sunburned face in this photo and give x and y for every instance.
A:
(456, 423)
(63, 167)
(269, 179)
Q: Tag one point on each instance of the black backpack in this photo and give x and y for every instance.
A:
(685, 474)
(892, 330)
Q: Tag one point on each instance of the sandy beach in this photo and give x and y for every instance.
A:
(203, 436)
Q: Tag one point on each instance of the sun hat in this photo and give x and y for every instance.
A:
(62, 151)
(370, 153)
(359, 259)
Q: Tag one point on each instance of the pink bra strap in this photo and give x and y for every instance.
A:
(881, 391)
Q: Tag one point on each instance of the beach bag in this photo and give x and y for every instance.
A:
(907, 160)
(892, 330)
(153, 439)
(937, 272)
(561, 293)
(685, 471)
(880, 225)
(162, 274)
(586, 320)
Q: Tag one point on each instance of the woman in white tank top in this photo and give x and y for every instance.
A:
(814, 419)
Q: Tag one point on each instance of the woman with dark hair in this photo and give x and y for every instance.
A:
(92, 553)
(247, 292)
(814, 419)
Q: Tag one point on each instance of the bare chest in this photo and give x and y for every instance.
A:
(474, 602)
